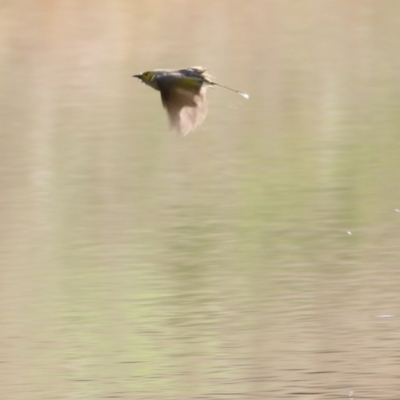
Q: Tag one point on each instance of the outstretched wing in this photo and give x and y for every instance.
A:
(185, 101)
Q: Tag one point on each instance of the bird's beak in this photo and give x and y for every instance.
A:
(139, 76)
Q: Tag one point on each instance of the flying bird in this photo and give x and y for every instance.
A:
(183, 94)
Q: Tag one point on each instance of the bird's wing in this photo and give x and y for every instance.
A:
(186, 106)
(191, 117)
(197, 72)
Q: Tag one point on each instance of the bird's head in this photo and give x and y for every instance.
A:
(146, 77)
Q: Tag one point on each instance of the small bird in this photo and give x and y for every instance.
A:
(183, 94)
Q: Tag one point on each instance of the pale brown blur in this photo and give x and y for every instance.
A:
(256, 258)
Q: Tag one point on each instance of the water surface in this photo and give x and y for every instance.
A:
(258, 257)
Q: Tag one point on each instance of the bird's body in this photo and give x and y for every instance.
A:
(183, 94)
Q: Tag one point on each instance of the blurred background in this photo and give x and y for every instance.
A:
(258, 257)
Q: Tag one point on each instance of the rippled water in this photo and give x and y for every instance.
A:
(257, 257)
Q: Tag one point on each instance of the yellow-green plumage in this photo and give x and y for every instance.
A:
(183, 94)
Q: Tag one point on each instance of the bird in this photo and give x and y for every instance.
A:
(183, 94)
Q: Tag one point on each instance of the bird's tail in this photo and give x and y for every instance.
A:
(245, 95)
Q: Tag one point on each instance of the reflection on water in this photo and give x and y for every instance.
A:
(255, 258)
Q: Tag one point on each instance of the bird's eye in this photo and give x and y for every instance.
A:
(147, 76)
